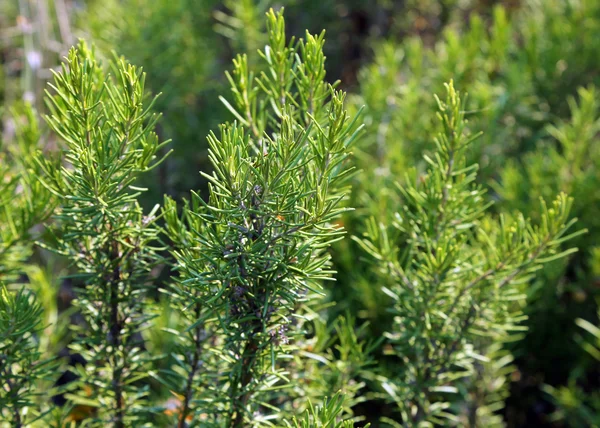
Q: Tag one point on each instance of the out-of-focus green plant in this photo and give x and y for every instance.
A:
(486, 389)
(456, 279)
(325, 416)
(243, 25)
(519, 66)
(26, 365)
(24, 201)
(568, 160)
(22, 367)
(558, 39)
(395, 91)
(503, 80)
(578, 404)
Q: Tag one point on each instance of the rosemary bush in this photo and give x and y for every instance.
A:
(250, 257)
(568, 161)
(517, 98)
(456, 279)
(251, 254)
(23, 367)
(106, 128)
(219, 309)
(25, 202)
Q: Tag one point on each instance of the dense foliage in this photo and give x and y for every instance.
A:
(187, 240)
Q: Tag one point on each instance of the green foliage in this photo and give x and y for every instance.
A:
(513, 95)
(519, 66)
(249, 254)
(395, 91)
(174, 41)
(558, 38)
(334, 359)
(592, 344)
(486, 389)
(577, 405)
(566, 160)
(24, 201)
(456, 274)
(105, 125)
(326, 416)
(244, 25)
(218, 311)
(21, 362)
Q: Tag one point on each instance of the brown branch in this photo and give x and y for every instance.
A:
(185, 409)
(114, 338)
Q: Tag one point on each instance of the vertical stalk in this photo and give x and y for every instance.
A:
(16, 410)
(114, 336)
(185, 409)
(243, 379)
(12, 389)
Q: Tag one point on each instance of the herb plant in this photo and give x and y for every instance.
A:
(251, 254)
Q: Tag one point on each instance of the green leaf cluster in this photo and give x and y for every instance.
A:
(326, 416)
(252, 253)
(22, 366)
(456, 274)
(105, 125)
(24, 201)
(220, 310)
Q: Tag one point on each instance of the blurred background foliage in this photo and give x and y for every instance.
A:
(530, 68)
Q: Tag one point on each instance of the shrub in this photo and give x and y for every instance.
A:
(456, 280)
(252, 253)
(250, 258)
(519, 67)
(219, 309)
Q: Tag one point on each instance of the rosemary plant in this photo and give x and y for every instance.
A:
(21, 362)
(24, 201)
(242, 336)
(457, 278)
(105, 126)
(576, 405)
(324, 416)
(249, 255)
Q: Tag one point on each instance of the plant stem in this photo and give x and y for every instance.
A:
(17, 414)
(244, 379)
(115, 331)
(17, 419)
(185, 409)
(12, 390)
